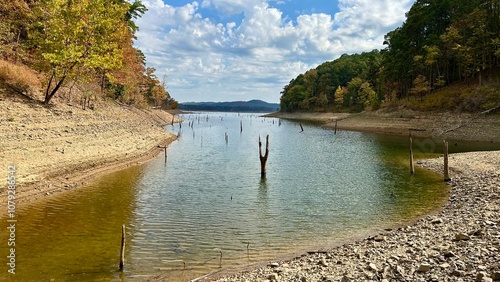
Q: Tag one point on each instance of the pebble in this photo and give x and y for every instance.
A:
(424, 267)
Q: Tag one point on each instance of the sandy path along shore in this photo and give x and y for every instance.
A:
(60, 147)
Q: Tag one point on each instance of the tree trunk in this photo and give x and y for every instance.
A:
(263, 158)
(48, 96)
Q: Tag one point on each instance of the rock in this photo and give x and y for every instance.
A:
(346, 278)
(457, 273)
(444, 265)
(323, 262)
(424, 267)
(399, 271)
(496, 276)
(437, 221)
(380, 238)
(329, 279)
(481, 275)
(272, 277)
(372, 267)
(274, 264)
(449, 254)
(461, 237)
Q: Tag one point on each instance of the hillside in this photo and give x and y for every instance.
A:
(57, 148)
(442, 45)
(256, 106)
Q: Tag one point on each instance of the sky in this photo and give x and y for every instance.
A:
(240, 50)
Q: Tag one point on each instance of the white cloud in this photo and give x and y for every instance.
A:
(254, 58)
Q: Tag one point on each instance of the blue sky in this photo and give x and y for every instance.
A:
(238, 50)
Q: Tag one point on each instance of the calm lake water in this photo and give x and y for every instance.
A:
(208, 206)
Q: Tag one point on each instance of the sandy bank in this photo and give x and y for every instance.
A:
(461, 243)
(472, 127)
(63, 146)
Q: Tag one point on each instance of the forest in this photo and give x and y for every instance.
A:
(446, 49)
(84, 48)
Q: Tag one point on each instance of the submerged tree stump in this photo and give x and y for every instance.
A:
(445, 167)
(412, 167)
(263, 158)
(122, 249)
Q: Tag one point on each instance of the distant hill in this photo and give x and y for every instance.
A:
(236, 106)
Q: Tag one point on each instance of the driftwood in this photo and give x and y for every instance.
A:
(490, 110)
(263, 158)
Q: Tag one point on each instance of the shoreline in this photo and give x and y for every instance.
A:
(349, 261)
(459, 243)
(463, 126)
(345, 261)
(62, 147)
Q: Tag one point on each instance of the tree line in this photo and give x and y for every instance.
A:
(442, 42)
(84, 43)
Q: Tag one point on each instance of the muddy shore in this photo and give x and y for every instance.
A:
(463, 126)
(60, 147)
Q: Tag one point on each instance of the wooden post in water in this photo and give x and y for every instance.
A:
(301, 128)
(241, 126)
(122, 249)
(445, 155)
(165, 154)
(335, 131)
(412, 167)
(263, 158)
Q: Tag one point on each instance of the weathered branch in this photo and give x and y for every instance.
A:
(490, 110)
(263, 158)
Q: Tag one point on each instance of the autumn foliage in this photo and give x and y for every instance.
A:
(442, 43)
(75, 44)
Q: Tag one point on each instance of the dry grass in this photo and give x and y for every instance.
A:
(462, 97)
(20, 78)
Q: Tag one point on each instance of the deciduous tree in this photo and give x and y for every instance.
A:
(78, 34)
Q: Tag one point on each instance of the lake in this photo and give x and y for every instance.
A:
(207, 207)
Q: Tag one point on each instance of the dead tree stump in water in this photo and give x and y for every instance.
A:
(122, 249)
(445, 157)
(263, 158)
(412, 167)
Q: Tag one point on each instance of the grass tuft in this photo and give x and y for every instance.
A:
(20, 78)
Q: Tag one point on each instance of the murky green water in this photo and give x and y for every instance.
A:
(209, 199)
